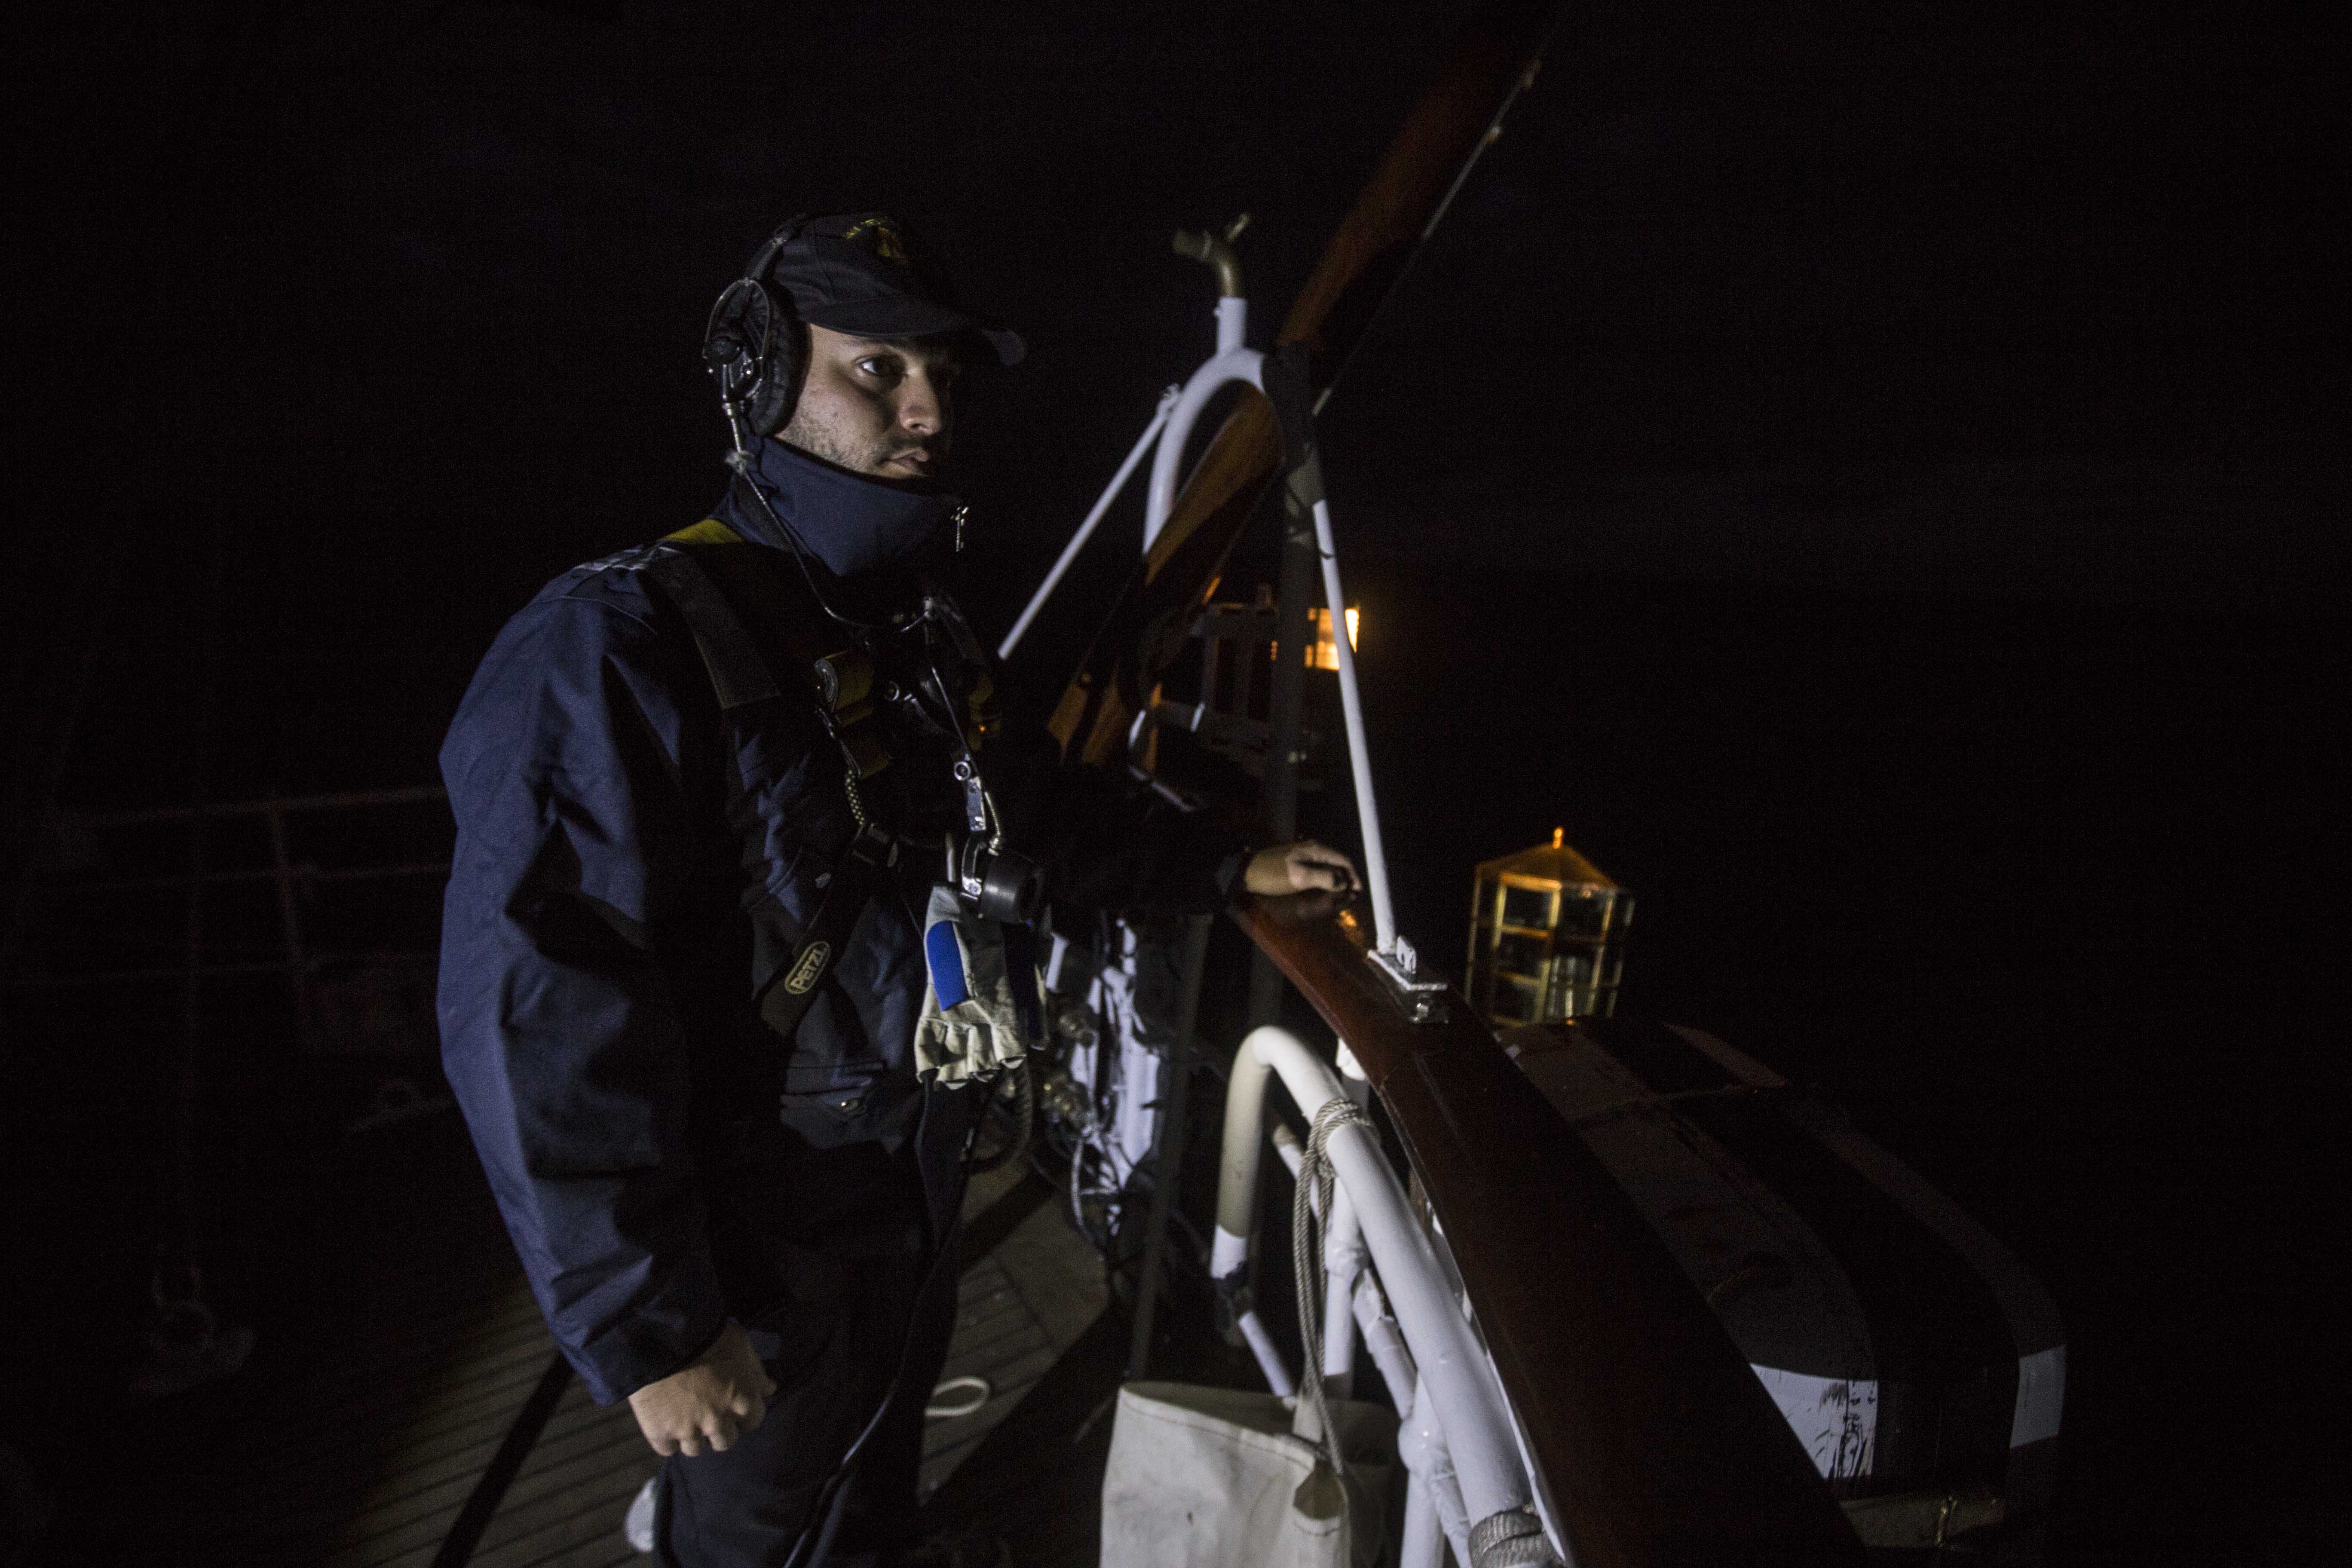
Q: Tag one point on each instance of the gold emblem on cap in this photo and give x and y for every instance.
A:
(888, 245)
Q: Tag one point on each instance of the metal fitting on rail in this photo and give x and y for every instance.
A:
(1511, 1538)
(1216, 250)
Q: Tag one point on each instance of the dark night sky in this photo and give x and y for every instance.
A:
(2024, 302)
(1876, 472)
(2028, 302)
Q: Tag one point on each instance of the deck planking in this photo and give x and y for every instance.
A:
(405, 1342)
(1022, 1304)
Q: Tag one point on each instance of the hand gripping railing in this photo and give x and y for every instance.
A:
(1282, 379)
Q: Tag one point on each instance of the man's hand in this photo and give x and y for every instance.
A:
(1304, 867)
(723, 1394)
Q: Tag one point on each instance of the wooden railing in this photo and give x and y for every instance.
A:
(1653, 1442)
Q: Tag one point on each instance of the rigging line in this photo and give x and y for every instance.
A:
(1493, 133)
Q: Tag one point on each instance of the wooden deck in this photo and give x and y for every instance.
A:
(1030, 1291)
(398, 1346)
(1029, 1294)
(566, 1504)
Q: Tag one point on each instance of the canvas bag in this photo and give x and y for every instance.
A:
(1204, 1478)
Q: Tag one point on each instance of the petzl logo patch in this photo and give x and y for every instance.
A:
(810, 969)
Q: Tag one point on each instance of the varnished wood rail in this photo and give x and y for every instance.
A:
(1654, 1441)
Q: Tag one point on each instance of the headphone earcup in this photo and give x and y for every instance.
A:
(754, 343)
(778, 387)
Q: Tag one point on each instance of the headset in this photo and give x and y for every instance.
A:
(754, 345)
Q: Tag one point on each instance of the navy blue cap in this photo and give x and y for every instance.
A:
(869, 274)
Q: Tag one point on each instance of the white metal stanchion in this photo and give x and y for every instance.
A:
(1343, 1259)
(1360, 761)
(1420, 1444)
(1269, 1358)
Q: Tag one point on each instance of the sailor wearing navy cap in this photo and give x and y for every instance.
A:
(736, 933)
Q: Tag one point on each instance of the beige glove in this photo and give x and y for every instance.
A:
(971, 1026)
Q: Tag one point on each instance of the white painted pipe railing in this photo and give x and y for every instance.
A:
(1233, 322)
(1343, 1260)
(1421, 1544)
(1454, 1374)
(1170, 427)
(1431, 1494)
(1360, 761)
(1261, 1344)
(1343, 1265)
(1433, 1510)
(1231, 365)
(1385, 1340)
(1420, 1444)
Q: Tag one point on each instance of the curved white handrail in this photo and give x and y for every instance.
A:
(1233, 364)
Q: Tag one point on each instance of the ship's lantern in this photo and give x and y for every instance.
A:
(1547, 936)
(1326, 653)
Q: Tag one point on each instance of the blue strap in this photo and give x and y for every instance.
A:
(947, 982)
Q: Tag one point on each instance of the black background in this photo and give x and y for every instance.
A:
(1874, 474)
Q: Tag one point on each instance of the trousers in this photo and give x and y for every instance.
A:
(782, 1494)
(850, 1257)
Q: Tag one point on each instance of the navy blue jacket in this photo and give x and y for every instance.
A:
(597, 962)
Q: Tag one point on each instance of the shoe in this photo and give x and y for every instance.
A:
(967, 1551)
(638, 1528)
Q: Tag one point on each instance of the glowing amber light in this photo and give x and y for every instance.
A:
(1547, 936)
(1325, 655)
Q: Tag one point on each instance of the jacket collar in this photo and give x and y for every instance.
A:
(850, 522)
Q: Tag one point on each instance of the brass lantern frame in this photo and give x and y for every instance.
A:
(1547, 930)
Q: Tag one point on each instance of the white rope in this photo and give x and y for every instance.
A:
(976, 1391)
(1310, 1201)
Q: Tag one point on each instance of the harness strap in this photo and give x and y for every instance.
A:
(792, 990)
(737, 673)
(741, 677)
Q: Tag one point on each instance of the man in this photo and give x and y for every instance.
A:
(692, 994)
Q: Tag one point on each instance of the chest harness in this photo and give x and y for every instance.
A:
(980, 1007)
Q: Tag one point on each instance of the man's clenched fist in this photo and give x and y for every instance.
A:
(1300, 866)
(721, 1395)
